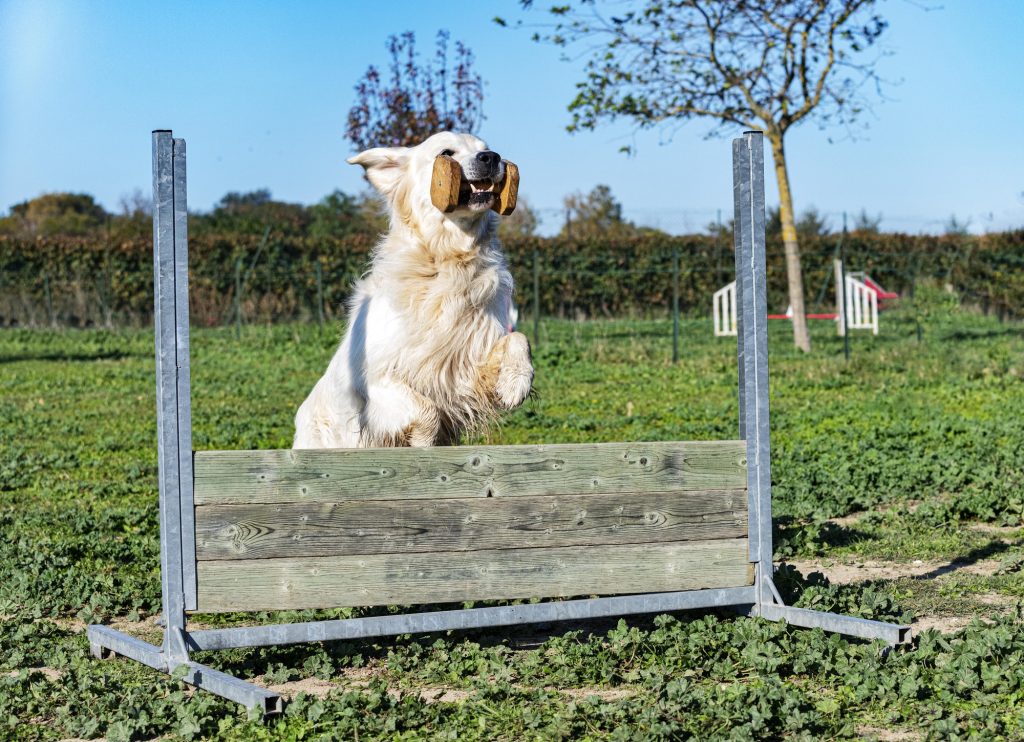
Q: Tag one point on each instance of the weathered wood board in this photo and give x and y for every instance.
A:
(406, 579)
(274, 476)
(296, 529)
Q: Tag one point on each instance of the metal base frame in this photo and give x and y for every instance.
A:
(106, 642)
(174, 443)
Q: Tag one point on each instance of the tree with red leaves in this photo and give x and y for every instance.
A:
(416, 100)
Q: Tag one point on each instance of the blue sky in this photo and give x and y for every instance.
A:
(261, 90)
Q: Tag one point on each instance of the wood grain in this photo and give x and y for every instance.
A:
(272, 476)
(445, 182)
(297, 529)
(407, 579)
(508, 194)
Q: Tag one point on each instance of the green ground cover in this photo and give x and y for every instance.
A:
(905, 467)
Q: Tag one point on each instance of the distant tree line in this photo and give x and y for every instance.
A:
(66, 261)
(595, 215)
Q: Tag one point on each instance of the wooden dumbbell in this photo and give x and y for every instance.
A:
(448, 189)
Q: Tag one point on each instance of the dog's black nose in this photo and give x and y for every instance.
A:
(488, 158)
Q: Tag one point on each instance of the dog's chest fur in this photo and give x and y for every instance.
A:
(446, 312)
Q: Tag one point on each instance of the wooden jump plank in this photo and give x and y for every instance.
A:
(238, 477)
(407, 579)
(298, 529)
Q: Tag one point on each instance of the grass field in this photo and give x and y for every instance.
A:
(899, 491)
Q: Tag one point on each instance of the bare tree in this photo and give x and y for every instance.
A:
(955, 227)
(594, 215)
(136, 205)
(867, 224)
(764, 64)
(416, 100)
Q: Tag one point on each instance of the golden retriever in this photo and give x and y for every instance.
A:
(427, 354)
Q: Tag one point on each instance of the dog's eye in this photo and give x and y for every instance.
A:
(447, 152)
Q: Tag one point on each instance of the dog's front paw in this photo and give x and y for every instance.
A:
(515, 377)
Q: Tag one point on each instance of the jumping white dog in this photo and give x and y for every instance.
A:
(427, 354)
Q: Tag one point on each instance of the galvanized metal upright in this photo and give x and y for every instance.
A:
(752, 356)
(179, 582)
(171, 381)
(174, 444)
(748, 172)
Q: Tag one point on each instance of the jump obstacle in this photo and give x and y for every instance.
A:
(857, 304)
(648, 527)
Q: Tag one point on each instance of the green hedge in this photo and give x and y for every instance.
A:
(635, 277)
(86, 282)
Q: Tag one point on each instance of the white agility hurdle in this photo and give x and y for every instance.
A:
(856, 306)
(860, 307)
(724, 311)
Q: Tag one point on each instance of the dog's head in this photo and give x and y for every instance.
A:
(404, 175)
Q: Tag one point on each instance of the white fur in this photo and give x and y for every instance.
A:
(426, 354)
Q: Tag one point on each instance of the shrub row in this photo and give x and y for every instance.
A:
(83, 282)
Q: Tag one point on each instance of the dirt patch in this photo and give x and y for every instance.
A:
(889, 735)
(604, 694)
(847, 520)
(321, 688)
(850, 519)
(310, 686)
(154, 623)
(942, 624)
(845, 574)
(352, 678)
(74, 625)
(946, 624)
(149, 629)
(359, 680)
(363, 675)
(443, 695)
(51, 673)
(997, 600)
(994, 530)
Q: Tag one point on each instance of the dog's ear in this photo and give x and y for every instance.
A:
(383, 165)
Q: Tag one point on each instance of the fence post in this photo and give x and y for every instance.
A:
(841, 305)
(238, 297)
(846, 318)
(837, 270)
(102, 282)
(913, 297)
(319, 293)
(571, 286)
(718, 249)
(49, 299)
(536, 299)
(675, 305)
(840, 267)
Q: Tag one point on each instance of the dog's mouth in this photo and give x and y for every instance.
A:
(478, 195)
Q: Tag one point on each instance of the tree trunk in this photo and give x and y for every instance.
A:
(793, 273)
